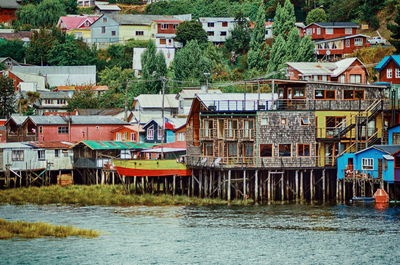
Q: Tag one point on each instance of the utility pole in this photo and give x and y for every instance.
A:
(164, 82)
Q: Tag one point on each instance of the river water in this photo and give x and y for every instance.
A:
(276, 234)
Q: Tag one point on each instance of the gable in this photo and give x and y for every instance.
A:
(386, 60)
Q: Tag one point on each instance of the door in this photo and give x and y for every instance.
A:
(380, 163)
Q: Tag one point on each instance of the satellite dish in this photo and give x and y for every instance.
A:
(328, 52)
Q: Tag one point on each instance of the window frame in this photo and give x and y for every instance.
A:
(63, 130)
(389, 73)
(281, 151)
(329, 31)
(358, 42)
(324, 91)
(17, 155)
(367, 164)
(150, 133)
(224, 24)
(139, 33)
(354, 93)
(261, 149)
(301, 147)
(397, 73)
(41, 154)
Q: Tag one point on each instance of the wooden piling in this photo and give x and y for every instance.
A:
(256, 186)
(244, 185)
(311, 185)
(229, 186)
(173, 185)
(323, 186)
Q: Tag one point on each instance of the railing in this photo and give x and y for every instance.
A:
(239, 134)
(293, 104)
(208, 134)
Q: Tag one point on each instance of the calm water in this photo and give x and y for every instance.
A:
(280, 234)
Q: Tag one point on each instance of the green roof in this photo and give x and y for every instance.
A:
(119, 145)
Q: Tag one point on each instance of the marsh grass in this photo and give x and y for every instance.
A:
(104, 195)
(11, 229)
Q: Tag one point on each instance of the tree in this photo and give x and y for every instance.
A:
(191, 30)
(190, 63)
(305, 51)
(284, 20)
(83, 99)
(41, 43)
(257, 55)
(395, 29)
(316, 15)
(292, 44)
(115, 78)
(277, 58)
(7, 97)
(45, 14)
(13, 48)
(239, 40)
(153, 68)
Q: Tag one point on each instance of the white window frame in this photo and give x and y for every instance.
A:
(133, 137)
(318, 31)
(397, 74)
(358, 42)
(342, 78)
(150, 133)
(348, 31)
(159, 133)
(17, 155)
(329, 31)
(41, 155)
(389, 73)
(367, 164)
(347, 43)
(164, 26)
(118, 137)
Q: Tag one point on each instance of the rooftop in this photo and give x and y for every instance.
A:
(155, 101)
(128, 19)
(112, 145)
(336, 24)
(105, 7)
(51, 145)
(9, 4)
(386, 60)
(76, 21)
(77, 120)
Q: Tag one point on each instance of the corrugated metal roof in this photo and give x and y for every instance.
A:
(191, 93)
(43, 70)
(388, 149)
(54, 95)
(113, 145)
(84, 120)
(323, 68)
(19, 119)
(337, 24)
(51, 145)
(14, 146)
(108, 7)
(217, 19)
(11, 4)
(127, 19)
(341, 38)
(155, 101)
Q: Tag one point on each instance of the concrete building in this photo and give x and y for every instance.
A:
(218, 28)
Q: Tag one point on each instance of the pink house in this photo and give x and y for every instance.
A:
(68, 128)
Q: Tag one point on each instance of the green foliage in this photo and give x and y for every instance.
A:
(277, 58)
(115, 78)
(41, 43)
(257, 56)
(305, 51)
(45, 14)
(395, 29)
(71, 52)
(83, 99)
(239, 40)
(119, 55)
(190, 63)
(153, 68)
(316, 15)
(191, 30)
(13, 48)
(7, 97)
(284, 20)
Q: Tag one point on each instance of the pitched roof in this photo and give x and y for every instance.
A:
(135, 128)
(77, 88)
(191, 93)
(14, 145)
(107, 7)
(16, 35)
(388, 149)
(114, 145)
(107, 112)
(54, 95)
(51, 145)
(10, 4)
(177, 144)
(217, 19)
(78, 120)
(76, 21)
(128, 19)
(18, 119)
(336, 24)
(341, 38)
(323, 68)
(14, 62)
(155, 101)
(386, 60)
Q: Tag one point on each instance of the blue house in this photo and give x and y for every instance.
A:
(378, 162)
(394, 134)
(153, 132)
(105, 30)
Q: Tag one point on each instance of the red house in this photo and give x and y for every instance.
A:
(389, 69)
(64, 128)
(349, 70)
(8, 9)
(3, 131)
(330, 30)
(128, 133)
(165, 31)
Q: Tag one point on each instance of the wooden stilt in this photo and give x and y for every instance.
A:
(224, 184)
(219, 184)
(344, 190)
(269, 187)
(256, 186)
(192, 183)
(244, 185)
(312, 185)
(201, 183)
(282, 190)
(173, 185)
(323, 186)
(205, 184)
(301, 185)
(354, 188)
(97, 177)
(210, 185)
(296, 179)
(181, 185)
(229, 186)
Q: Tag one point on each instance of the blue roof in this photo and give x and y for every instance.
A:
(386, 60)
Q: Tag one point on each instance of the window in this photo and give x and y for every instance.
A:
(285, 150)
(232, 127)
(232, 150)
(133, 137)
(47, 101)
(324, 78)
(348, 31)
(389, 73)
(65, 153)
(347, 43)
(353, 94)
(41, 154)
(303, 150)
(325, 94)
(305, 121)
(298, 92)
(163, 41)
(113, 33)
(103, 30)
(159, 133)
(118, 137)
(181, 136)
(329, 31)
(248, 150)
(264, 121)
(60, 101)
(104, 19)
(17, 155)
(210, 24)
(210, 33)
(318, 31)
(208, 149)
(284, 121)
(396, 138)
(223, 33)
(355, 79)
(62, 130)
(56, 153)
(40, 129)
(358, 41)
(125, 136)
(315, 77)
(342, 79)
(139, 33)
(309, 32)
(208, 126)
(164, 26)
(397, 72)
(266, 150)
(225, 24)
(150, 133)
(367, 164)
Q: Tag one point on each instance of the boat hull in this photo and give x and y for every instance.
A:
(151, 168)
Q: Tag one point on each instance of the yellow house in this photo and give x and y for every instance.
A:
(77, 25)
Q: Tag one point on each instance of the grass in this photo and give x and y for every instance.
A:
(104, 195)
(11, 229)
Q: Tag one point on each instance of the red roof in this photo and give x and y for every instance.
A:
(75, 22)
(52, 145)
(49, 113)
(134, 128)
(3, 122)
(181, 144)
(75, 88)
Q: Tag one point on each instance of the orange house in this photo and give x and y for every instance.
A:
(128, 133)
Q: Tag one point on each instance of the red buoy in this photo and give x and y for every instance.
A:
(381, 196)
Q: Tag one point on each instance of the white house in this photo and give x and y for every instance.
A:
(168, 52)
(218, 28)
